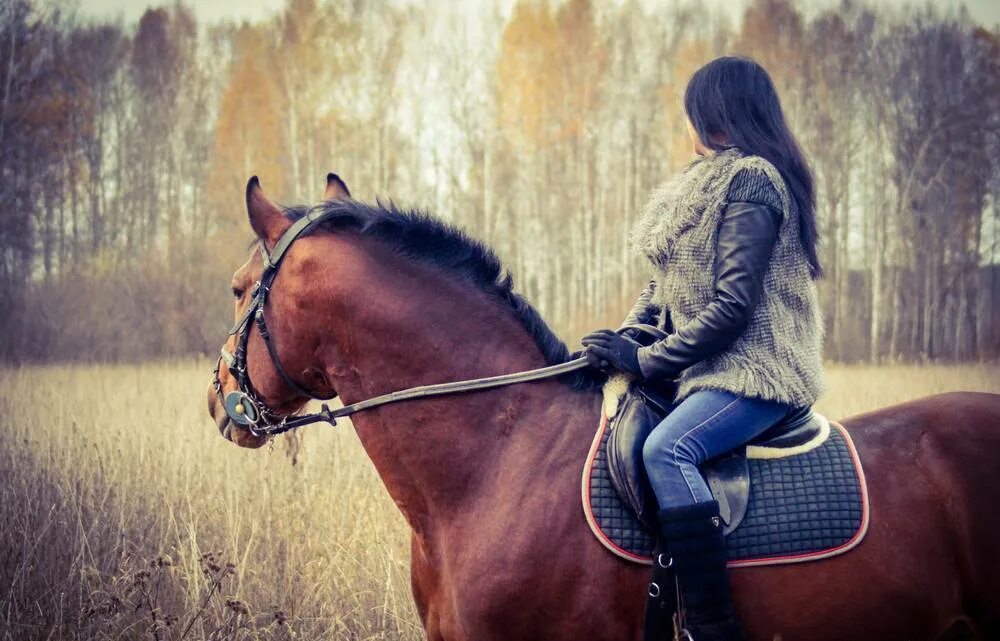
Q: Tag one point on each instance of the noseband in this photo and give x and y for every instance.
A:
(244, 405)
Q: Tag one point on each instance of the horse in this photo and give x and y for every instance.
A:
(377, 299)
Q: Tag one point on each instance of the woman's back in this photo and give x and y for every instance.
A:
(778, 355)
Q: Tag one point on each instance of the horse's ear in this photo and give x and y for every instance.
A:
(335, 188)
(266, 218)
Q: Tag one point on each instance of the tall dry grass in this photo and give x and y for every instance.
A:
(124, 515)
(105, 469)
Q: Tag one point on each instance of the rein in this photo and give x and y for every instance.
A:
(244, 406)
(327, 415)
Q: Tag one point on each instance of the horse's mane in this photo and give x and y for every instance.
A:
(424, 237)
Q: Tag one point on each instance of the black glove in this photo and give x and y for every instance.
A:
(607, 349)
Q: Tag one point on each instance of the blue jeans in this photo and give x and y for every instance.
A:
(706, 424)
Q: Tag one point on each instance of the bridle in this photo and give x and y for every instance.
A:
(244, 405)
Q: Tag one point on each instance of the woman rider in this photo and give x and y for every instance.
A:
(732, 239)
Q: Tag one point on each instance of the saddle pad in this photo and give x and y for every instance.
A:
(801, 508)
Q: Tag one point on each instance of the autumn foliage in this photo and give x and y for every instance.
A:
(124, 150)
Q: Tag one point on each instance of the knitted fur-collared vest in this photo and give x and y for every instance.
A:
(778, 356)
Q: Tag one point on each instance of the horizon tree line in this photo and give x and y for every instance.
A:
(124, 150)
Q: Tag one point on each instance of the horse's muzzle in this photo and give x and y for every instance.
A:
(218, 414)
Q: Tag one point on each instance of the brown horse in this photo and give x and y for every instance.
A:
(378, 300)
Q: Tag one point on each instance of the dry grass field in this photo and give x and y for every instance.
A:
(124, 515)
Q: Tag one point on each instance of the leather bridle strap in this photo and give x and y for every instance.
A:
(272, 351)
(271, 261)
(301, 226)
(237, 362)
(424, 391)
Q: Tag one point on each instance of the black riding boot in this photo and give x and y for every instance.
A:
(694, 540)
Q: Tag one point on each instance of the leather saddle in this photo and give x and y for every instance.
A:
(645, 404)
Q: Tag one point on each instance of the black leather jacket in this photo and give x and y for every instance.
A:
(747, 234)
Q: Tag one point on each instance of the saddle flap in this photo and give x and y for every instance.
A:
(641, 409)
(729, 479)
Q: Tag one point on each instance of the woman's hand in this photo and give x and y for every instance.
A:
(607, 349)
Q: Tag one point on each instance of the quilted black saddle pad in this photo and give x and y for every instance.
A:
(803, 507)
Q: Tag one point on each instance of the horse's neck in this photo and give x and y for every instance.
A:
(434, 454)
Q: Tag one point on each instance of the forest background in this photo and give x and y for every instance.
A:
(540, 127)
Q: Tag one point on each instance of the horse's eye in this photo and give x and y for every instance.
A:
(237, 292)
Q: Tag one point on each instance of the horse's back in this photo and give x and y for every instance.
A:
(954, 441)
(949, 410)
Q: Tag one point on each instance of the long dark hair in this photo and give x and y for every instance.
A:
(732, 99)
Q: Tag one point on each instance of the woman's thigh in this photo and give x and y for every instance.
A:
(709, 423)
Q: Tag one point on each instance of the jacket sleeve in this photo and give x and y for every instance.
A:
(747, 234)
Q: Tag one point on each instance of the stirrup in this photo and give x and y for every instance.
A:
(681, 634)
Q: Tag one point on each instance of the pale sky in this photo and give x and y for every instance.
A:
(984, 11)
(206, 10)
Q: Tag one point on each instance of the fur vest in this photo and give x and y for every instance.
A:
(778, 356)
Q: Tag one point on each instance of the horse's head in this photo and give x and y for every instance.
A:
(266, 367)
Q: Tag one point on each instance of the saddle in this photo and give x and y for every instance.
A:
(645, 404)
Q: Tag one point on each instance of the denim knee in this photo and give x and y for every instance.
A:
(661, 449)
(653, 454)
